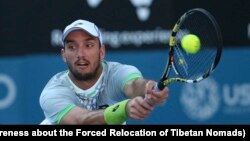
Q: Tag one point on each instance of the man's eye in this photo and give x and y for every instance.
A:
(70, 46)
(90, 45)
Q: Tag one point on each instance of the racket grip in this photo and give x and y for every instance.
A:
(160, 86)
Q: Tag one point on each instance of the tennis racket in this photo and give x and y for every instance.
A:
(192, 67)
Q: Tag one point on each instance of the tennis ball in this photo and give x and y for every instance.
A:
(191, 43)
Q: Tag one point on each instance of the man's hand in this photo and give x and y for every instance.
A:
(137, 108)
(153, 96)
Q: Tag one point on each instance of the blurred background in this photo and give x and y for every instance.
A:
(135, 32)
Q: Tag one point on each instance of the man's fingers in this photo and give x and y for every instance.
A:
(150, 85)
(139, 109)
(157, 97)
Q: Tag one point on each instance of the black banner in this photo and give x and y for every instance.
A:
(239, 132)
(36, 26)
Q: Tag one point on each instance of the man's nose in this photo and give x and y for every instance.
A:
(81, 51)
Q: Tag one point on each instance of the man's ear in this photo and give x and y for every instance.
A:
(102, 52)
(63, 55)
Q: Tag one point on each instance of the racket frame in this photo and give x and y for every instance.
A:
(172, 43)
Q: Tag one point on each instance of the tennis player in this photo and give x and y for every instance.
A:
(92, 90)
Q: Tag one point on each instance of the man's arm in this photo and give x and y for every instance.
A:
(136, 87)
(135, 108)
(79, 115)
(116, 114)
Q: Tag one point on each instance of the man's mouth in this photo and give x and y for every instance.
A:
(82, 64)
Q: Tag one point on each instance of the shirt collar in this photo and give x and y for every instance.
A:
(88, 92)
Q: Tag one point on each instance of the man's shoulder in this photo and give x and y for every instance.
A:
(111, 63)
(120, 68)
(57, 85)
(60, 75)
(116, 65)
(57, 80)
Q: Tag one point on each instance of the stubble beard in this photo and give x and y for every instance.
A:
(86, 76)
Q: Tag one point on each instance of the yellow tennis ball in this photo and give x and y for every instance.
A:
(191, 43)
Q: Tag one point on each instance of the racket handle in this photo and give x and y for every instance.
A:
(160, 86)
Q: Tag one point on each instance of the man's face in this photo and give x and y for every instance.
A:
(83, 54)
